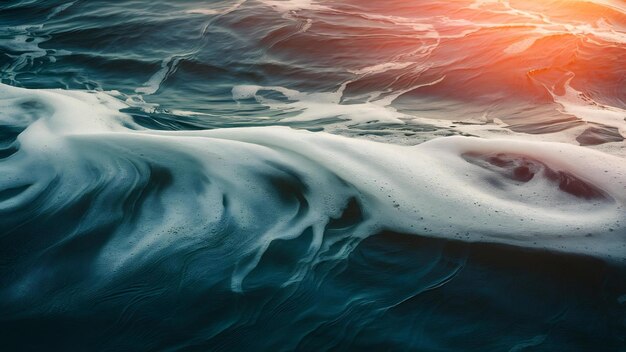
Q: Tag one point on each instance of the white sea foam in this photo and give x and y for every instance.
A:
(585, 108)
(377, 108)
(168, 67)
(520, 46)
(447, 187)
(57, 10)
(294, 5)
(317, 106)
(203, 11)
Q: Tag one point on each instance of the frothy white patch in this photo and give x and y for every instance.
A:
(317, 106)
(535, 194)
(585, 108)
(520, 47)
(382, 68)
(57, 10)
(203, 11)
(168, 67)
(293, 5)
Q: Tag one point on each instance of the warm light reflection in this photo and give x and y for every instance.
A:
(495, 53)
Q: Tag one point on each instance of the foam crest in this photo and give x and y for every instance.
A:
(319, 106)
(253, 186)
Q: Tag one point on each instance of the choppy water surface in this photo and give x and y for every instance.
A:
(313, 175)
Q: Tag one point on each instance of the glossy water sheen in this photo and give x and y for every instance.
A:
(313, 175)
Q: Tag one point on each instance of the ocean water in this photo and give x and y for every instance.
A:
(313, 175)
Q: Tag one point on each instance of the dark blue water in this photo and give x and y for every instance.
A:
(312, 175)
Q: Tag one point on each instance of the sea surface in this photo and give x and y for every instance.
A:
(313, 175)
